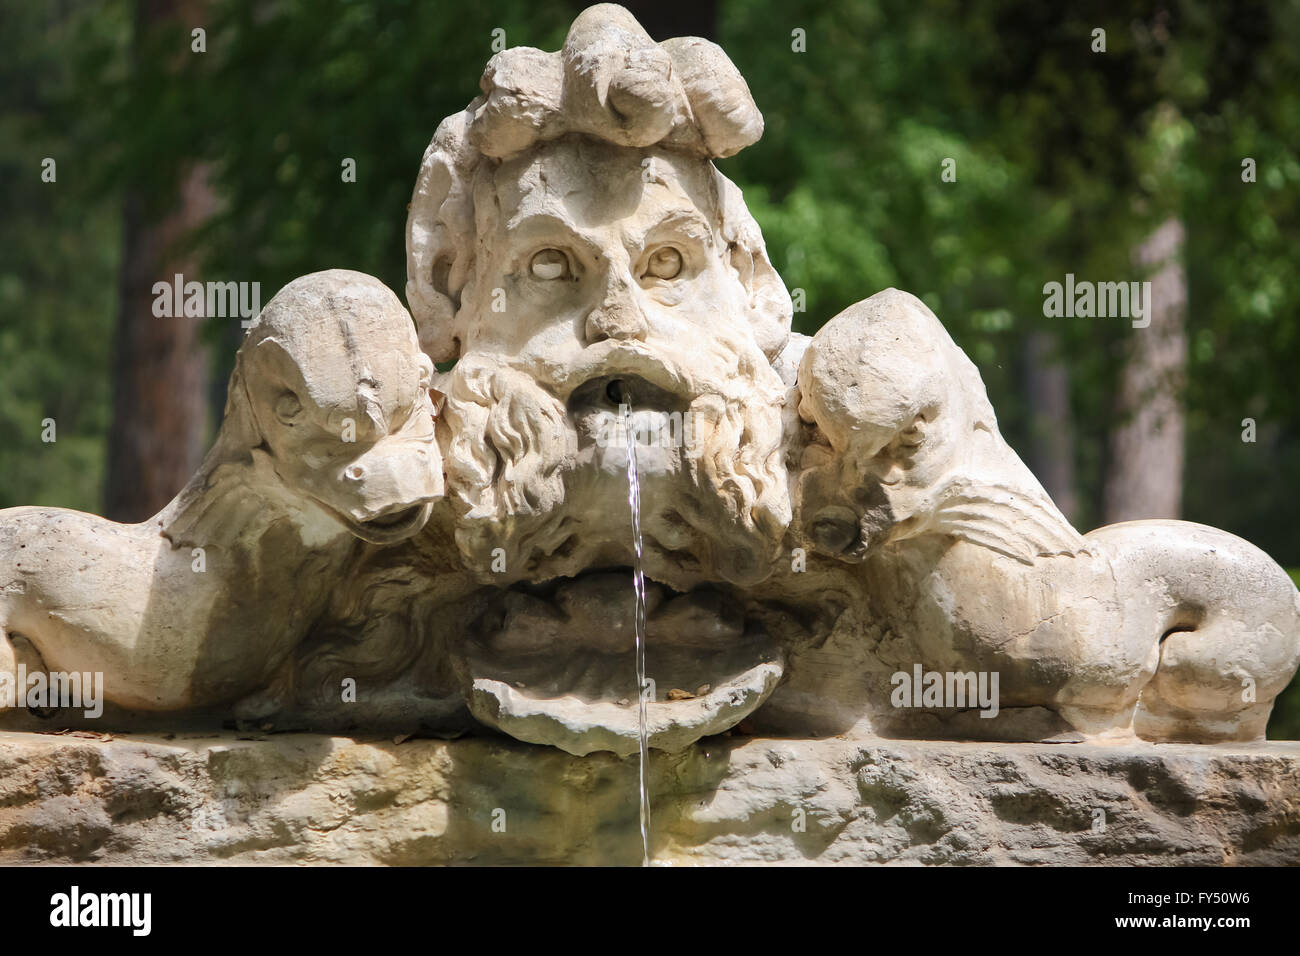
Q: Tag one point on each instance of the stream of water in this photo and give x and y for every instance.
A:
(638, 585)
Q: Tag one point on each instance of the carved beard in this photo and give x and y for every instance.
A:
(514, 466)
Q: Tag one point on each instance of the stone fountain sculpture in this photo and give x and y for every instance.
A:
(828, 522)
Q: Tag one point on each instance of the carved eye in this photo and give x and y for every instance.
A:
(550, 264)
(425, 370)
(664, 263)
(288, 408)
(836, 530)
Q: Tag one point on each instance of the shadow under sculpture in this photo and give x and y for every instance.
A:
(837, 538)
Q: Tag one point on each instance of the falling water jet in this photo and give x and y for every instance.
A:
(618, 392)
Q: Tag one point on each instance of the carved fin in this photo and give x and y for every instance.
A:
(226, 505)
(1011, 521)
(213, 512)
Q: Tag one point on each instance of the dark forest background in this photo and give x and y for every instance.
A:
(1173, 155)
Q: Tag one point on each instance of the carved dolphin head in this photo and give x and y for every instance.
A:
(331, 388)
(907, 442)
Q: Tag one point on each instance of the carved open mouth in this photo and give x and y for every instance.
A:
(391, 526)
(603, 408)
(608, 392)
(648, 377)
(555, 664)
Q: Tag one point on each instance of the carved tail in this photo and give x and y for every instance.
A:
(13, 591)
(1228, 622)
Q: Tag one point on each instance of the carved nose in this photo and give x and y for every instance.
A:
(618, 317)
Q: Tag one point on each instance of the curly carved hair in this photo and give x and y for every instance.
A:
(612, 82)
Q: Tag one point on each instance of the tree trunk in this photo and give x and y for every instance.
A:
(160, 365)
(1051, 427)
(1145, 477)
(663, 19)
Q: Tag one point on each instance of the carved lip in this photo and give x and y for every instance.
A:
(581, 727)
(389, 526)
(594, 612)
(614, 360)
(555, 665)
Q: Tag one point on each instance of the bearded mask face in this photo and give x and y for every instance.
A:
(608, 297)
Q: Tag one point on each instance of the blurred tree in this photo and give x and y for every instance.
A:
(664, 18)
(160, 367)
(670, 18)
(1145, 477)
(1049, 420)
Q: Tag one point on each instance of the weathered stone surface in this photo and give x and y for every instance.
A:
(833, 534)
(287, 799)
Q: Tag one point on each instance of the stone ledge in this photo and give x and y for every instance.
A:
(297, 798)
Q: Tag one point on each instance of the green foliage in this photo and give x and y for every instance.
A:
(305, 85)
(58, 276)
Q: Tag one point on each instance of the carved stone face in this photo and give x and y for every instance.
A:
(597, 243)
(604, 294)
(603, 280)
